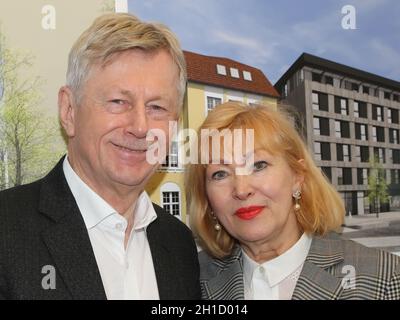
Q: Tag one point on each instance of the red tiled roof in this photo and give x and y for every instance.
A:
(203, 69)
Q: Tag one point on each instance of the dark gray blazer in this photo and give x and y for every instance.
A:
(40, 224)
(377, 273)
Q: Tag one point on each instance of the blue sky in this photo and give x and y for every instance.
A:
(270, 35)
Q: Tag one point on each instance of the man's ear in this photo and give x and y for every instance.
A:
(66, 110)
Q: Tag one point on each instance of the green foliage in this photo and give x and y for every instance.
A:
(377, 185)
(28, 145)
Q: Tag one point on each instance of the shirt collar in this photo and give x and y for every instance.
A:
(279, 268)
(95, 209)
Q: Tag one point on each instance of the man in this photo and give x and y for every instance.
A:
(88, 230)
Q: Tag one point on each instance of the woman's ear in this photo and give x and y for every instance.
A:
(66, 110)
(299, 179)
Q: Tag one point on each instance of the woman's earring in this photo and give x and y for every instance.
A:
(297, 196)
(217, 226)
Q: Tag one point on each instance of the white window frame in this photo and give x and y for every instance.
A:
(343, 107)
(358, 153)
(221, 70)
(253, 99)
(395, 134)
(234, 72)
(247, 75)
(379, 113)
(338, 127)
(389, 118)
(346, 152)
(374, 134)
(356, 109)
(316, 126)
(212, 92)
(171, 187)
(317, 150)
(315, 100)
(363, 132)
(235, 96)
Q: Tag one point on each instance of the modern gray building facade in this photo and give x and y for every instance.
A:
(347, 116)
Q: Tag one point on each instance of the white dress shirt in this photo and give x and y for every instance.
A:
(126, 273)
(276, 278)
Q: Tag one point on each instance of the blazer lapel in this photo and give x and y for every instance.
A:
(228, 282)
(67, 239)
(315, 281)
(168, 281)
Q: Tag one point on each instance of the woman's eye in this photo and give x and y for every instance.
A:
(260, 165)
(219, 175)
(118, 101)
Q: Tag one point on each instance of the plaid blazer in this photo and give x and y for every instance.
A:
(334, 269)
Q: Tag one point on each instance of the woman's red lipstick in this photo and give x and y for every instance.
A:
(248, 213)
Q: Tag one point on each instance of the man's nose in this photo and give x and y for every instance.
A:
(138, 122)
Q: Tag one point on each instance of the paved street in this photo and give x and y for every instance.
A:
(382, 232)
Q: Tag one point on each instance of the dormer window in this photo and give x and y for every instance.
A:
(221, 69)
(234, 73)
(247, 76)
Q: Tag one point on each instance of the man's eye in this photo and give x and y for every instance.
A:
(118, 101)
(260, 165)
(118, 106)
(219, 175)
(155, 107)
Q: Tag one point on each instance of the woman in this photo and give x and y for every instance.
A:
(268, 231)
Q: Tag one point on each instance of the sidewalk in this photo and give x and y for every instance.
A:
(370, 221)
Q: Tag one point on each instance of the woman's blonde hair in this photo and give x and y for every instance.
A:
(117, 32)
(322, 208)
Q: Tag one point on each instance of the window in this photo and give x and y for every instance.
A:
(355, 87)
(341, 106)
(170, 199)
(393, 135)
(377, 112)
(320, 101)
(365, 89)
(394, 176)
(361, 131)
(376, 92)
(212, 102)
(364, 153)
(378, 134)
(322, 150)
(317, 77)
(321, 126)
(234, 73)
(171, 160)
(344, 176)
(362, 176)
(396, 97)
(386, 95)
(221, 69)
(379, 153)
(247, 76)
(343, 152)
(342, 129)
(356, 111)
(393, 115)
(327, 171)
(395, 156)
(329, 80)
(360, 109)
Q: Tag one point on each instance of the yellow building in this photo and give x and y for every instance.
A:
(211, 81)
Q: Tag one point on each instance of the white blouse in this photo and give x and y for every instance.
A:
(276, 278)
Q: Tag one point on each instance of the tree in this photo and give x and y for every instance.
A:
(28, 145)
(377, 185)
